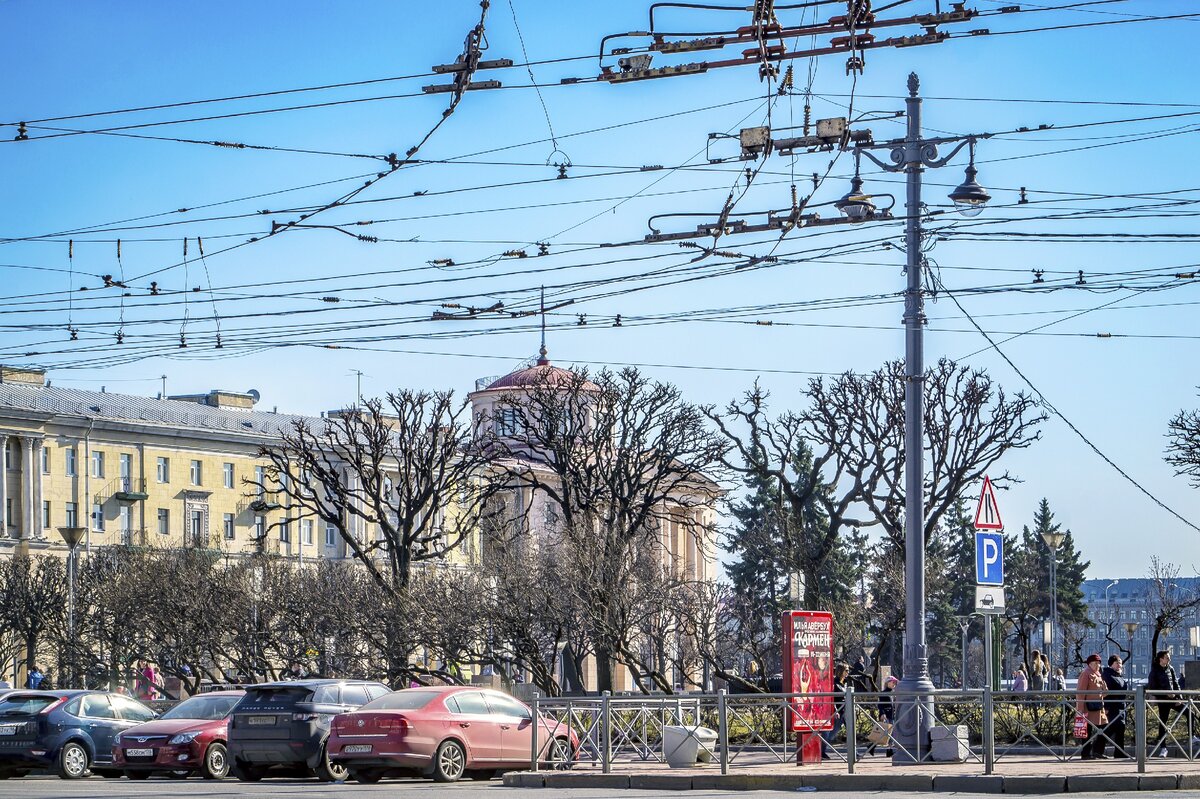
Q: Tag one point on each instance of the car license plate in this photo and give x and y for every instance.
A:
(356, 749)
(8, 729)
(139, 753)
(261, 721)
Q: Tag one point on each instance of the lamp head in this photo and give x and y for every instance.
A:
(856, 205)
(970, 198)
(1053, 540)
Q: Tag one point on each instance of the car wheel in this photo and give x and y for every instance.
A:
(216, 762)
(559, 757)
(246, 773)
(483, 775)
(72, 761)
(449, 762)
(138, 775)
(367, 776)
(328, 771)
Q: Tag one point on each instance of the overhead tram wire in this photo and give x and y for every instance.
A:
(1051, 407)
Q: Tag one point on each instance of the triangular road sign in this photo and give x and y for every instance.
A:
(987, 515)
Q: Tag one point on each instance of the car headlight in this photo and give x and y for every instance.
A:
(184, 738)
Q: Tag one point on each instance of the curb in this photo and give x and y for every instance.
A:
(922, 783)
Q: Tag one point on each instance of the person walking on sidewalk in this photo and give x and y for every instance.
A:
(1089, 702)
(1114, 706)
(1165, 698)
(1037, 672)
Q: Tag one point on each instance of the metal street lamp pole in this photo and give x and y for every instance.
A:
(914, 716)
(1130, 629)
(1053, 542)
(72, 536)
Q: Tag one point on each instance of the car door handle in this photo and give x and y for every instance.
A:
(505, 727)
(464, 724)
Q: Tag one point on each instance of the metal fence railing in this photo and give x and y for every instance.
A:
(758, 729)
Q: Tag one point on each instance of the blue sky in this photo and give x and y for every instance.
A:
(71, 58)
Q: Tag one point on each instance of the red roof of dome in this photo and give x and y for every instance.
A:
(541, 374)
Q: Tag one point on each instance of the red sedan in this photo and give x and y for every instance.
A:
(189, 737)
(445, 733)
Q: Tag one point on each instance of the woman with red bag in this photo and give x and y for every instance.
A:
(1089, 702)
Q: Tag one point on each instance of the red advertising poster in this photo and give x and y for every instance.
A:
(808, 667)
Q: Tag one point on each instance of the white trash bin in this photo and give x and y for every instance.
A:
(685, 746)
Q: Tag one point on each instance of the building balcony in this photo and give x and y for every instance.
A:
(128, 489)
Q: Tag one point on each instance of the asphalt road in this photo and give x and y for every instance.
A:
(54, 788)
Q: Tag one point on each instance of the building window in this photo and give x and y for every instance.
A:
(164, 520)
(227, 473)
(97, 464)
(162, 470)
(8, 511)
(306, 532)
(330, 535)
(227, 524)
(197, 531)
(125, 521)
(508, 422)
(126, 468)
(45, 460)
(197, 473)
(260, 527)
(260, 480)
(285, 531)
(69, 454)
(70, 514)
(9, 458)
(46, 515)
(98, 517)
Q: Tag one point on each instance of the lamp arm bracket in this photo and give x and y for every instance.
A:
(898, 166)
(929, 154)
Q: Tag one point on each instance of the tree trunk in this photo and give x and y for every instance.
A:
(605, 669)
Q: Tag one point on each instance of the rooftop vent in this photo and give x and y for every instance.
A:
(226, 400)
(22, 375)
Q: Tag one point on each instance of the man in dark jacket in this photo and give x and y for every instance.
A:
(1114, 706)
(1164, 698)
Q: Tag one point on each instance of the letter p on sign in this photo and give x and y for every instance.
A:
(989, 558)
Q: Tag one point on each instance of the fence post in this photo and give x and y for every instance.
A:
(1139, 720)
(723, 730)
(605, 733)
(851, 732)
(989, 732)
(533, 739)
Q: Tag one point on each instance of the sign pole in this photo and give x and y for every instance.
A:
(987, 651)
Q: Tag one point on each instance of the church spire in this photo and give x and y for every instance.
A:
(542, 359)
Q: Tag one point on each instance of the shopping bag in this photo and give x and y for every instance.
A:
(1081, 726)
(881, 734)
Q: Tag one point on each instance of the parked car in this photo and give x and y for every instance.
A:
(444, 733)
(285, 725)
(68, 732)
(190, 737)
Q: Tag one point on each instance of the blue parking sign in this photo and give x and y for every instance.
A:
(989, 558)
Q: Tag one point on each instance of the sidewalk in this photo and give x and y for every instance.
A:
(1016, 775)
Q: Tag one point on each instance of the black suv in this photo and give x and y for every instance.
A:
(286, 724)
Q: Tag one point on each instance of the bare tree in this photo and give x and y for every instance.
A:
(622, 458)
(1168, 606)
(33, 600)
(406, 468)
(854, 425)
(1183, 451)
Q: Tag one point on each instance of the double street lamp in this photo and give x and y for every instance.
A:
(912, 156)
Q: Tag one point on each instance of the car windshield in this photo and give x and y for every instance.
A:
(208, 708)
(25, 705)
(402, 700)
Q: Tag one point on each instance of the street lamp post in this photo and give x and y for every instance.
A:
(1130, 629)
(912, 155)
(1054, 540)
(72, 536)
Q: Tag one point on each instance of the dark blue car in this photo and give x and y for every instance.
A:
(68, 732)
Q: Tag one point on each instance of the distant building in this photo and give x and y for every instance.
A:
(1134, 600)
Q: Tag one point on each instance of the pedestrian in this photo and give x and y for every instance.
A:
(1058, 682)
(146, 681)
(887, 714)
(841, 672)
(296, 671)
(1164, 686)
(1019, 683)
(33, 680)
(1089, 702)
(1114, 707)
(1037, 672)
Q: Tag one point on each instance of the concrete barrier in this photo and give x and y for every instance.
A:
(1086, 783)
(1035, 784)
(965, 783)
